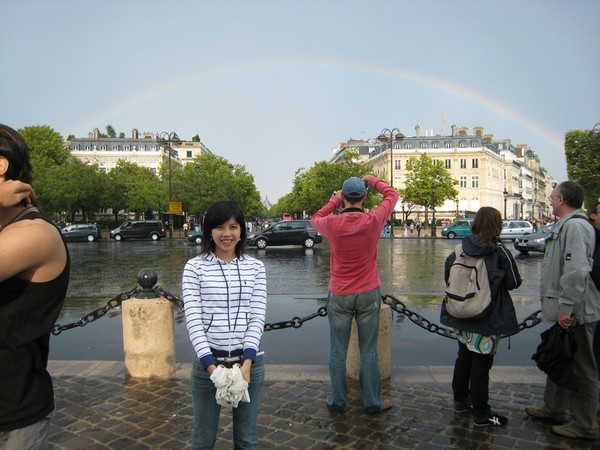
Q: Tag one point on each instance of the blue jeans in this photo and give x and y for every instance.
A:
(341, 310)
(207, 410)
(32, 437)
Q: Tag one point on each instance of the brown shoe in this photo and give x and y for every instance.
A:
(386, 403)
(570, 432)
(540, 413)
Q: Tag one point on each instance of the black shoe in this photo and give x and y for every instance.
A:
(461, 407)
(492, 420)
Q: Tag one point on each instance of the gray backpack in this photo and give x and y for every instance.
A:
(468, 293)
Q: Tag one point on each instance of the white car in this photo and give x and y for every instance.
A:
(515, 229)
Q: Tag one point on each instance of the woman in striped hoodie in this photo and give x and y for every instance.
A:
(225, 296)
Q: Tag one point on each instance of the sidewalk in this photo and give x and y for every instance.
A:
(98, 408)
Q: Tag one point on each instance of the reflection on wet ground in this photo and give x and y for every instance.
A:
(410, 269)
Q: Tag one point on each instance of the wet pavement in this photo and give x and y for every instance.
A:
(99, 408)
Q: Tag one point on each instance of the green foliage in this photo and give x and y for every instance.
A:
(211, 178)
(196, 138)
(110, 131)
(46, 146)
(583, 162)
(313, 187)
(427, 184)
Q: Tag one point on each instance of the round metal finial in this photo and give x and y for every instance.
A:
(147, 278)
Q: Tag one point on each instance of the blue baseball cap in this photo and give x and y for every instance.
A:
(354, 188)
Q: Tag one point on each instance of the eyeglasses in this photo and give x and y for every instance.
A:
(555, 197)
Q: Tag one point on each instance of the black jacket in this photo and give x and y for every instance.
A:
(503, 275)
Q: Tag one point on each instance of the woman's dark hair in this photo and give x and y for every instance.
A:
(218, 214)
(487, 225)
(15, 150)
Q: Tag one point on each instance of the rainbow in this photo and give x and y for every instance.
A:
(157, 92)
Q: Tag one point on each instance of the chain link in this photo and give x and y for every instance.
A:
(529, 322)
(113, 303)
(296, 322)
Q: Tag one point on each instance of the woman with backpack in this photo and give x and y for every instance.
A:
(478, 336)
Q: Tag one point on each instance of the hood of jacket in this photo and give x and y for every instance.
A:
(474, 247)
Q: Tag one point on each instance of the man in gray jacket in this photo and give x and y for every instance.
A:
(570, 298)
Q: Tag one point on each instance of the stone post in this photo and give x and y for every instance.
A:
(148, 332)
(384, 346)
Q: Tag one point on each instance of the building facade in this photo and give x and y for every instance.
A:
(488, 173)
(144, 149)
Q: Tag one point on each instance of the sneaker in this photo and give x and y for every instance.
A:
(541, 413)
(492, 419)
(386, 403)
(571, 432)
(461, 407)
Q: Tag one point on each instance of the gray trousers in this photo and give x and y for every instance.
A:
(583, 403)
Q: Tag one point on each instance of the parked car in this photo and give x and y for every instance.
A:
(196, 238)
(139, 229)
(535, 242)
(460, 228)
(81, 232)
(288, 232)
(514, 229)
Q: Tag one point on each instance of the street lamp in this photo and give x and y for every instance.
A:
(457, 208)
(169, 137)
(391, 135)
(433, 210)
(504, 194)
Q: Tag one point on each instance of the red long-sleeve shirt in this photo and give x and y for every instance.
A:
(353, 238)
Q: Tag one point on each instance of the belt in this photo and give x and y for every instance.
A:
(229, 359)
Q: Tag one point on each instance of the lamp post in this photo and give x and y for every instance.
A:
(391, 135)
(457, 208)
(505, 195)
(169, 138)
(433, 210)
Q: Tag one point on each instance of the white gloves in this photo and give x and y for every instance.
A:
(231, 386)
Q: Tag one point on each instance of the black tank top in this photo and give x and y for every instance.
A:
(28, 311)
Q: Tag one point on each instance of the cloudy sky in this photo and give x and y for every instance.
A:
(276, 84)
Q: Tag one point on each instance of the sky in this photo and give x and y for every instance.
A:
(275, 85)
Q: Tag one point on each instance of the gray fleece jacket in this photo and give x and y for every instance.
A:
(566, 284)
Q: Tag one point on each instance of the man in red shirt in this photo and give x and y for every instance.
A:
(354, 287)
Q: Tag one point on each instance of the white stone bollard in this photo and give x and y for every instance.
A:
(384, 346)
(148, 337)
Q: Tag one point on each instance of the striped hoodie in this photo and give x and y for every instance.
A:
(224, 305)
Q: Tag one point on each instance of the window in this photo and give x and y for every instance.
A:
(188, 154)
(462, 144)
(103, 147)
(408, 145)
(463, 163)
(396, 164)
(448, 144)
(474, 181)
(115, 148)
(87, 146)
(447, 163)
(435, 145)
(463, 182)
(423, 145)
(474, 163)
(474, 144)
(127, 147)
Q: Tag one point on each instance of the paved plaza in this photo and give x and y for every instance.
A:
(99, 408)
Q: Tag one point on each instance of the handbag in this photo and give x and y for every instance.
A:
(554, 355)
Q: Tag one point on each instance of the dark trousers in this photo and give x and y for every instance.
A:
(471, 379)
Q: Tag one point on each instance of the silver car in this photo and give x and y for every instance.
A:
(514, 229)
(535, 242)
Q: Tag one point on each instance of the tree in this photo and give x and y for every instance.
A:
(313, 187)
(582, 149)
(46, 146)
(211, 178)
(196, 138)
(140, 189)
(427, 184)
(110, 131)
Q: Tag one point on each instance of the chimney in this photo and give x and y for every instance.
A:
(478, 131)
(453, 130)
(135, 134)
(489, 138)
(418, 130)
(96, 133)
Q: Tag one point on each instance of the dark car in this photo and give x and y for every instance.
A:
(139, 229)
(81, 232)
(286, 232)
(196, 238)
(534, 242)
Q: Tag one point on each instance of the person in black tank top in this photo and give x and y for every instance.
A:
(34, 276)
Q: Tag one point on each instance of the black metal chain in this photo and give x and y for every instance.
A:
(529, 322)
(296, 322)
(114, 302)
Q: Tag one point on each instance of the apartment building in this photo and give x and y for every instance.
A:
(489, 173)
(144, 149)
